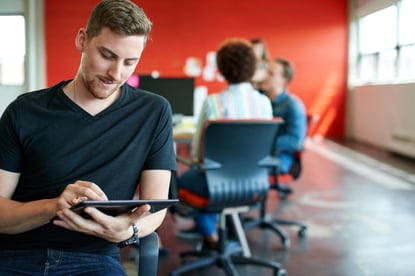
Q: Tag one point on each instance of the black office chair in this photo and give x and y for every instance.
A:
(148, 255)
(236, 160)
(265, 220)
(281, 183)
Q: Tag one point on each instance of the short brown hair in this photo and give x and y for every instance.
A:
(120, 16)
(288, 72)
(257, 40)
(236, 60)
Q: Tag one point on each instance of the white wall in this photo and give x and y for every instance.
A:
(380, 114)
(384, 116)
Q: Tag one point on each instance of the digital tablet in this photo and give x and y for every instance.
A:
(117, 207)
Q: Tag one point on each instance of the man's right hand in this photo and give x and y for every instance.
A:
(78, 191)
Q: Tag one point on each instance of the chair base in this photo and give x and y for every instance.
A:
(265, 222)
(226, 259)
(229, 253)
(283, 190)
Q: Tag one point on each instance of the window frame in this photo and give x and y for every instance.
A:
(360, 76)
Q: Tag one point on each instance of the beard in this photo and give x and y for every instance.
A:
(100, 91)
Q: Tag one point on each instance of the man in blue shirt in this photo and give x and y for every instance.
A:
(287, 106)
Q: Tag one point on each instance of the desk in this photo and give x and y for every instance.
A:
(182, 137)
(182, 145)
(184, 131)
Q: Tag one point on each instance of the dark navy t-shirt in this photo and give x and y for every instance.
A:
(52, 142)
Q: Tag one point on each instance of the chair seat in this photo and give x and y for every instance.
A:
(188, 197)
(282, 178)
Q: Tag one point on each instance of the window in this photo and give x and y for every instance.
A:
(378, 31)
(387, 65)
(386, 44)
(407, 62)
(407, 22)
(12, 49)
(367, 63)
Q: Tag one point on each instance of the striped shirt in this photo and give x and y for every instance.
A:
(237, 101)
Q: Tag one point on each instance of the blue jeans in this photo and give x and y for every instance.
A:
(195, 181)
(285, 161)
(51, 262)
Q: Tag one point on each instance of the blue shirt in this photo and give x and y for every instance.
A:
(292, 133)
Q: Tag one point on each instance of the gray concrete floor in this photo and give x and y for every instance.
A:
(358, 207)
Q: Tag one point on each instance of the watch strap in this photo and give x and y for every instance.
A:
(133, 240)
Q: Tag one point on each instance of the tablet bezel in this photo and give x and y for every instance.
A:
(118, 207)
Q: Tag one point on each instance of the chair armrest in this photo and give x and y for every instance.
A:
(184, 160)
(208, 164)
(269, 161)
(148, 255)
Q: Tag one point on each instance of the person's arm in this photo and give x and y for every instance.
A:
(17, 217)
(154, 184)
(295, 129)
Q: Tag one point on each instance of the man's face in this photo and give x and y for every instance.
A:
(274, 82)
(108, 60)
(258, 50)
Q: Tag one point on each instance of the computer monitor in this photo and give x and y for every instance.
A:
(178, 91)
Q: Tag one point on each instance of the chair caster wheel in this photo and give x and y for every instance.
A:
(302, 233)
(286, 243)
(281, 272)
(282, 195)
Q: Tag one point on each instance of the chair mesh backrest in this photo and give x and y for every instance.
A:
(238, 146)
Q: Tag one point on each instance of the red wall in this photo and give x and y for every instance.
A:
(312, 34)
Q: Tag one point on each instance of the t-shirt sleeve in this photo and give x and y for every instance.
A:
(10, 149)
(161, 154)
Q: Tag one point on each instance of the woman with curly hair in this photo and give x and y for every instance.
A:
(236, 62)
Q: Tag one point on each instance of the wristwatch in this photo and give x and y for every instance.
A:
(133, 240)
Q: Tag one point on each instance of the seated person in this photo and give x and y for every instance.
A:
(261, 54)
(236, 62)
(292, 133)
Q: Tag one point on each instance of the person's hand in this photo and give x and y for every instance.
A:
(78, 191)
(114, 229)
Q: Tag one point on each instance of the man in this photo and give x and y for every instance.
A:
(93, 137)
(237, 63)
(292, 133)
